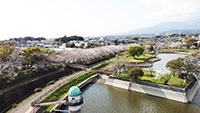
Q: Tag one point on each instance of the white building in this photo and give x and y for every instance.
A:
(75, 99)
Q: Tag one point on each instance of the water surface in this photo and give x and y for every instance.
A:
(100, 98)
(160, 65)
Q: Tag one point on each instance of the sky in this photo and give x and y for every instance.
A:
(56, 18)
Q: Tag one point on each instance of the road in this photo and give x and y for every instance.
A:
(25, 107)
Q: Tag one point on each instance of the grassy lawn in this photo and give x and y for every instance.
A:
(144, 57)
(151, 79)
(122, 75)
(132, 60)
(101, 62)
(138, 59)
(174, 80)
(149, 72)
(192, 51)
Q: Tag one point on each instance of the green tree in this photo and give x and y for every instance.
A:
(189, 42)
(66, 39)
(5, 51)
(135, 73)
(186, 67)
(135, 50)
(32, 54)
(175, 66)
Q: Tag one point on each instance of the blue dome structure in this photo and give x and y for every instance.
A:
(74, 91)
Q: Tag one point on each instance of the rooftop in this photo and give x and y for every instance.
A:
(74, 91)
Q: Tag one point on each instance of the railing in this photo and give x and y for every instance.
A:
(56, 85)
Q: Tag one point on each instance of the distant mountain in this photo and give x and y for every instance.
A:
(189, 26)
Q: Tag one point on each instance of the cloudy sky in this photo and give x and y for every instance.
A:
(55, 18)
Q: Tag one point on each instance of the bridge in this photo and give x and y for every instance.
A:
(34, 104)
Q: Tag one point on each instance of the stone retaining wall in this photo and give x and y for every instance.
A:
(173, 93)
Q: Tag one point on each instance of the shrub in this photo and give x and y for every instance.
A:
(37, 89)
(135, 50)
(135, 73)
(14, 105)
(50, 82)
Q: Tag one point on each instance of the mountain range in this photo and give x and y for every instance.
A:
(188, 26)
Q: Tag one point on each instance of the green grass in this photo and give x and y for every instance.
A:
(151, 79)
(122, 76)
(132, 60)
(149, 72)
(192, 51)
(49, 108)
(144, 57)
(102, 66)
(174, 80)
(101, 62)
(60, 92)
(138, 59)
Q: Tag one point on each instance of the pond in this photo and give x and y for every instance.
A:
(100, 98)
(160, 65)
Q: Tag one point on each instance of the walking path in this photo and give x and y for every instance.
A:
(25, 107)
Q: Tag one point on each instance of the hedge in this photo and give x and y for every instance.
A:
(58, 93)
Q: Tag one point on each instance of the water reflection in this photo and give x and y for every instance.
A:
(100, 98)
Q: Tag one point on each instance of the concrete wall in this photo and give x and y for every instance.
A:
(160, 91)
(121, 84)
(192, 91)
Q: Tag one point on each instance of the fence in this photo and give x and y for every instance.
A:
(55, 86)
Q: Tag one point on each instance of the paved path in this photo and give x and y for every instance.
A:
(25, 107)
